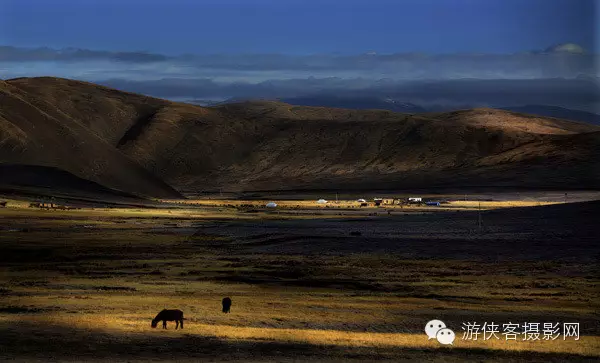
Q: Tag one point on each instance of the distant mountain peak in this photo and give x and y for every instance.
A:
(569, 48)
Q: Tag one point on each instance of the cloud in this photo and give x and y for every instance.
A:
(562, 75)
(261, 67)
(14, 54)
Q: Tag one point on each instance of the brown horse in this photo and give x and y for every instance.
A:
(169, 315)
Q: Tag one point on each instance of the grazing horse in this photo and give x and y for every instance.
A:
(169, 315)
(226, 305)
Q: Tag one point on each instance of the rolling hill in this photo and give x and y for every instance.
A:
(557, 112)
(356, 103)
(158, 148)
(390, 104)
(72, 126)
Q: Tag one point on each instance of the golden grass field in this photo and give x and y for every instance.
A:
(83, 285)
(352, 204)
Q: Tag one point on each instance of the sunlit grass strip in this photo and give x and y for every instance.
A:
(586, 345)
(165, 213)
(353, 204)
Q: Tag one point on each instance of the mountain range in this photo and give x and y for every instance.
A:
(391, 104)
(152, 147)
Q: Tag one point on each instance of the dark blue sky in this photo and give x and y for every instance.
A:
(299, 26)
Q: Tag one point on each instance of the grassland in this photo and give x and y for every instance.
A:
(352, 204)
(83, 285)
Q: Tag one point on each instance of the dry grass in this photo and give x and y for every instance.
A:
(498, 204)
(123, 326)
(100, 287)
(223, 209)
(353, 204)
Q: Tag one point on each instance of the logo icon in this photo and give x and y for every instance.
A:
(445, 336)
(432, 328)
(436, 329)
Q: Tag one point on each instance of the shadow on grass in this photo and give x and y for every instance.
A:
(25, 341)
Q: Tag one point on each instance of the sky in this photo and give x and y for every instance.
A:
(302, 27)
(219, 49)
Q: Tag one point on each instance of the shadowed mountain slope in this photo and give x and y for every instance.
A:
(42, 123)
(47, 181)
(136, 143)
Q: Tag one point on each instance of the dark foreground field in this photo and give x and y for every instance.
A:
(83, 285)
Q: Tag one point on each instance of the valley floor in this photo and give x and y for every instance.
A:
(83, 285)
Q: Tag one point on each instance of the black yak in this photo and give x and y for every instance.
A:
(169, 315)
(226, 305)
